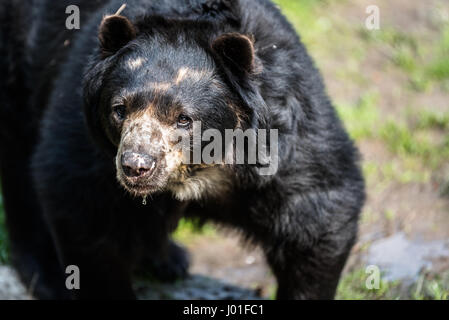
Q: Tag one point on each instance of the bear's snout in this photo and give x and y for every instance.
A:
(135, 165)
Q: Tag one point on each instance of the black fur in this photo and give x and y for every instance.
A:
(64, 205)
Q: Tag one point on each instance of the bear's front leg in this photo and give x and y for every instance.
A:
(167, 264)
(307, 239)
(308, 274)
(103, 272)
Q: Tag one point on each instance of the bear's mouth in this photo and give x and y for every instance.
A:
(161, 180)
(140, 190)
(140, 187)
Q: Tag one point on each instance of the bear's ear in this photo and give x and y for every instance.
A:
(236, 51)
(114, 33)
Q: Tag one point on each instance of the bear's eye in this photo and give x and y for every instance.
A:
(120, 111)
(184, 121)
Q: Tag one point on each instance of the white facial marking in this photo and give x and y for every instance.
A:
(134, 64)
(159, 86)
(181, 75)
(192, 74)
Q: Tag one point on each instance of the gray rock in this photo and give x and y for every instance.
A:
(10, 286)
(195, 287)
(402, 259)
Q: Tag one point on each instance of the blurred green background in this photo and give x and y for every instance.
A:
(391, 88)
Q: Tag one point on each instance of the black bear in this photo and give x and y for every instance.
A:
(91, 119)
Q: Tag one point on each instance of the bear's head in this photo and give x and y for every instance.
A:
(150, 82)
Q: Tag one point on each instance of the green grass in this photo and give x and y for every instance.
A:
(413, 142)
(427, 287)
(360, 119)
(438, 68)
(431, 120)
(431, 288)
(425, 63)
(408, 170)
(188, 230)
(401, 140)
(352, 286)
(304, 16)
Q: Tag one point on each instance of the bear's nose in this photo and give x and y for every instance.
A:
(137, 164)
